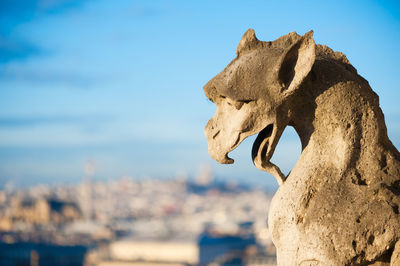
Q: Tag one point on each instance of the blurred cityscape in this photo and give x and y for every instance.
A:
(178, 221)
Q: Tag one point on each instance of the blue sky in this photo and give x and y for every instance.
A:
(120, 83)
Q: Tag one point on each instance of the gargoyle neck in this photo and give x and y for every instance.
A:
(340, 122)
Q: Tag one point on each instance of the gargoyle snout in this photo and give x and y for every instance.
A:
(217, 146)
(210, 90)
(210, 130)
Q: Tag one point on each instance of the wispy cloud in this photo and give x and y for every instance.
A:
(32, 121)
(14, 49)
(140, 10)
(16, 12)
(47, 77)
(27, 9)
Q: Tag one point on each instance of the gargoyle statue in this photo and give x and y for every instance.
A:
(340, 203)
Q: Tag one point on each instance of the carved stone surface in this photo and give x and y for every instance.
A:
(340, 203)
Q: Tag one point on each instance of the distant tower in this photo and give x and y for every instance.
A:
(86, 199)
(204, 177)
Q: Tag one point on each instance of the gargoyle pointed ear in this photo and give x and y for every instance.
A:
(248, 42)
(296, 62)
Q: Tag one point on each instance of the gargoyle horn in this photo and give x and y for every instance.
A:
(248, 42)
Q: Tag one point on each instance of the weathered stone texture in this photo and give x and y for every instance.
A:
(340, 203)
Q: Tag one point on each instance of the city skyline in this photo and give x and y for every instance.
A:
(133, 221)
(120, 83)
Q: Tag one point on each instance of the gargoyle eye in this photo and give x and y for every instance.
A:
(245, 101)
(235, 104)
(238, 105)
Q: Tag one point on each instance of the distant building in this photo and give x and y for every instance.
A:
(5, 224)
(43, 211)
(41, 254)
(92, 229)
(155, 252)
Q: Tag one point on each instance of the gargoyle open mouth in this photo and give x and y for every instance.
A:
(263, 149)
(260, 146)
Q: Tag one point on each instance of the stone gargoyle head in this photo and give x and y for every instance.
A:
(252, 94)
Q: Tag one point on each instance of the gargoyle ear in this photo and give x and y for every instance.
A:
(296, 62)
(248, 42)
